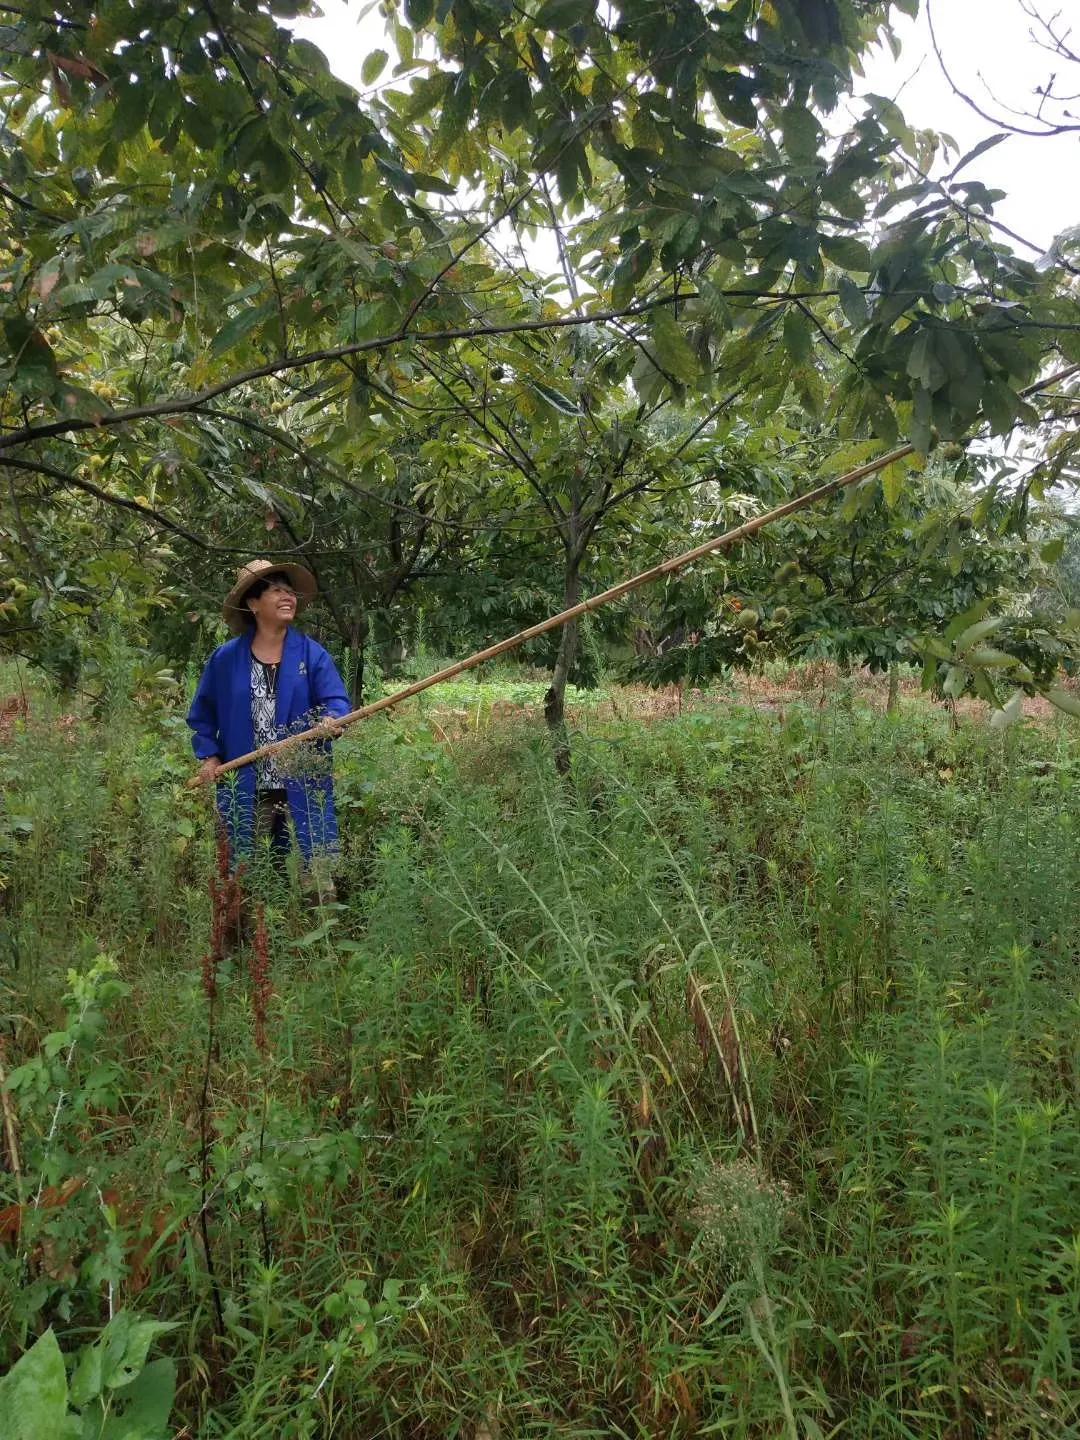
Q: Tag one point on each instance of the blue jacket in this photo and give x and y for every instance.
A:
(309, 688)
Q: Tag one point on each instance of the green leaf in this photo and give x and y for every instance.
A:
(118, 1356)
(734, 96)
(1052, 551)
(200, 126)
(556, 399)
(240, 325)
(517, 101)
(972, 634)
(980, 149)
(892, 482)
(400, 180)
(798, 340)
(419, 12)
(965, 390)
(141, 1409)
(427, 92)
(563, 14)
(432, 183)
(801, 132)
(960, 623)
(34, 1393)
(1065, 700)
(955, 681)
(715, 303)
(630, 269)
(845, 250)
(88, 1381)
(921, 411)
(853, 302)
(673, 349)
(923, 364)
(273, 162)
(1000, 405)
(32, 352)
(1009, 713)
(373, 66)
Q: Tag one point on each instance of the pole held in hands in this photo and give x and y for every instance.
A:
(329, 729)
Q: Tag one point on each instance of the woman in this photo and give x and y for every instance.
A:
(269, 682)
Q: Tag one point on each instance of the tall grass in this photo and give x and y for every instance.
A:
(730, 1091)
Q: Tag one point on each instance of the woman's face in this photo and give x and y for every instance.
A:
(276, 604)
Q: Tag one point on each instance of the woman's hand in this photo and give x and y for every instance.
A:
(208, 770)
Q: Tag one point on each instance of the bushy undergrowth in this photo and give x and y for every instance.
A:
(730, 1091)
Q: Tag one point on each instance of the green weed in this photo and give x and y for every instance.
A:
(729, 1091)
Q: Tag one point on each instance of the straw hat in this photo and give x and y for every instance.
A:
(237, 615)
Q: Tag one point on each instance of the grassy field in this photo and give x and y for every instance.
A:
(731, 1090)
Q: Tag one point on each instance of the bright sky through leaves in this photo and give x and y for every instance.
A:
(987, 37)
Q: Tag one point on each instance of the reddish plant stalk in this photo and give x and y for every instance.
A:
(259, 972)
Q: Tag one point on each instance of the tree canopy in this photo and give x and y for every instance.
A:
(246, 306)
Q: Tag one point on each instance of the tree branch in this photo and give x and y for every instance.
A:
(1048, 127)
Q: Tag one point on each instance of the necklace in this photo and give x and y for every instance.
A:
(270, 672)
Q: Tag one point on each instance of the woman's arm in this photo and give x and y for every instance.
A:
(328, 693)
(203, 716)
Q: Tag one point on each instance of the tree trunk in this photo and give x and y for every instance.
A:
(894, 689)
(555, 699)
(358, 633)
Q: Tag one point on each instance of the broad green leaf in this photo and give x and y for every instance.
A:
(434, 184)
(801, 132)
(892, 482)
(419, 12)
(715, 303)
(556, 399)
(853, 302)
(1065, 700)
(562, 14)
(630, 269)
(141, 1409)
(848, 457)
(972, 634)
(1052, 551)
(200, 126)
(517, 101)
(427, 92)
(960, 623)
(734, 95)
(980, 149)
(373, 66)
(125, 1343)
(923, 362)
(1000, 405)
(955, 681)
(34, 1395)
(798, 341)
(673, 349)
(921, 411)
(1009, 713)
(240, 325)
(845, 250)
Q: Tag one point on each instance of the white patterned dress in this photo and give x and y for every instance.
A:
(264, 722)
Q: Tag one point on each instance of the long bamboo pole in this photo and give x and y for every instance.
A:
(331, 728)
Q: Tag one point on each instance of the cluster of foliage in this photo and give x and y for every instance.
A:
(730, 1090)
(245, 305)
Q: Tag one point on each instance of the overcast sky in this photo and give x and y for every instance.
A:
(987, 37)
